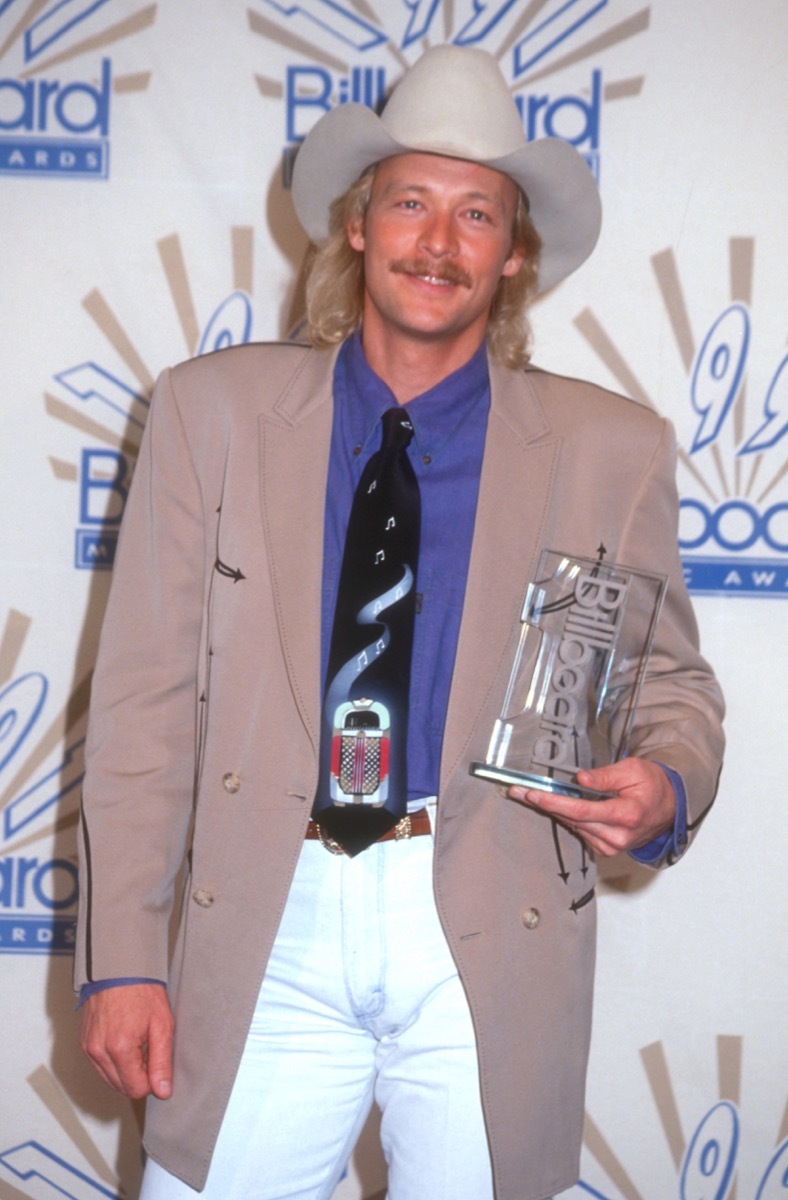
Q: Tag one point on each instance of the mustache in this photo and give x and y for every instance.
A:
(447, 272)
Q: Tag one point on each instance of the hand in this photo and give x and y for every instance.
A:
(126, 1032)
(643, 807)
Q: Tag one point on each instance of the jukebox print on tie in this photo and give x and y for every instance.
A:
(362, 791)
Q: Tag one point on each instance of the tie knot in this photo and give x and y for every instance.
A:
(397, 429)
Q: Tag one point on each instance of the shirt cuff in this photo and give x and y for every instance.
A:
(101, 985)
(673, 840)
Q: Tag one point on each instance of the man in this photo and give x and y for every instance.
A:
(444, 970)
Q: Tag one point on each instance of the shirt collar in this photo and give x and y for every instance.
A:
(437, 415)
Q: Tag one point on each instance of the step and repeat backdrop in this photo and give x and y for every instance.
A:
(145, 157)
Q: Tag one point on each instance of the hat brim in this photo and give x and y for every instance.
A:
(562, 194)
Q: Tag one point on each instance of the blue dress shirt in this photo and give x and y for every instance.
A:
(449, 421)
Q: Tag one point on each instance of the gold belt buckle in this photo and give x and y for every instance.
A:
(332, 846)
(402, 831)
(403, 828)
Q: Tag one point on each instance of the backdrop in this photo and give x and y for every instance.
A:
(145, 153)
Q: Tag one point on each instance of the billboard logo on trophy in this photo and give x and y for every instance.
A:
(586, 633)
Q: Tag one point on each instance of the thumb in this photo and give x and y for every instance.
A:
(160, 1060)
(600, 779)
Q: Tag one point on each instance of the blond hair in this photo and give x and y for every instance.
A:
(335, 281)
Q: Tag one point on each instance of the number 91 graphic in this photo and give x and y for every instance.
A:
(736, 524)
(717, 378)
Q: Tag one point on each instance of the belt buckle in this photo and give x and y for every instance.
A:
(332, 846)
(403, 829)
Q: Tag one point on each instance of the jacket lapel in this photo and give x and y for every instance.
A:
(294, 445)
(520, 459)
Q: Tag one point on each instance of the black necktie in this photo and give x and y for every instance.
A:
(362, 790)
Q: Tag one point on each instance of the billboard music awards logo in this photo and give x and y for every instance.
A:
(733, 532)
(39, 797)
(106, 399)
(355, 54)
(57, 83)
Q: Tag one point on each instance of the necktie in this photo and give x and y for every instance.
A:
(362, 790)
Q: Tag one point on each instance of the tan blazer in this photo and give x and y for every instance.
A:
(204, 728)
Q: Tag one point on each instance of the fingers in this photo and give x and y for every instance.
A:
(126, 1032)
(642, 807)
(566, 808)
(119, 1060)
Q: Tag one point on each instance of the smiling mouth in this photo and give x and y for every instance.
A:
(446, 276)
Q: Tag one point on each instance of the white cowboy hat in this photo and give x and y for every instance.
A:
(455, 101)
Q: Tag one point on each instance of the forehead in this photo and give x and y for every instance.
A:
(439, 173)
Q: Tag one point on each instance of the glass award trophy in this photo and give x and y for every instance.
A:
(586, 635)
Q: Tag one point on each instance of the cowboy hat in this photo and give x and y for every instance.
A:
(455, 101)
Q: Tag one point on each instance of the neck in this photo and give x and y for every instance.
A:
(411, 366)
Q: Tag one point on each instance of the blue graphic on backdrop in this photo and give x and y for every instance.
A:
(413, 20)
(105, 473)
(51, 125)
(711, 1159)
(743, 537)
(32, 1161)
(55, 112)
(38, 895)
(312, 89)
(51, 128)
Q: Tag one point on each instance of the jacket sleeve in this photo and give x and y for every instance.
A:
(679, 715)
(140, 754)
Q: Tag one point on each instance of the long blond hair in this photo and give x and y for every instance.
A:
(335, 281)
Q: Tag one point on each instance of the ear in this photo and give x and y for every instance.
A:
(355, 233)
(513, 263)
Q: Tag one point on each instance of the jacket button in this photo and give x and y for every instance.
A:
(231, 782)
(203, 898)
(531, 918)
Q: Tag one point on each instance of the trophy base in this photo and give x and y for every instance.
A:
(542, 782)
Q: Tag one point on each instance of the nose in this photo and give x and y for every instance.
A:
(438, 234)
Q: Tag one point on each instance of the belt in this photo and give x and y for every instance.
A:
(415, 824)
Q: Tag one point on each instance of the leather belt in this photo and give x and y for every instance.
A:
(415, 824)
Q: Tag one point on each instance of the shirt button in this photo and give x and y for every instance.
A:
(231, 782)
(531, 918)
(203, 898)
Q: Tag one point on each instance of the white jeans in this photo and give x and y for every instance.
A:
(361, 1001)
